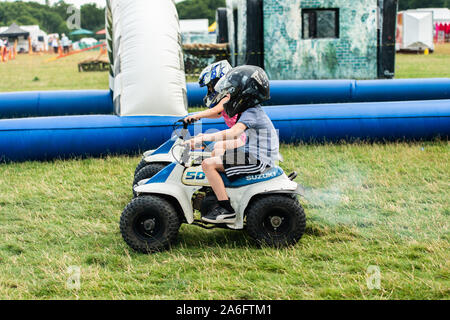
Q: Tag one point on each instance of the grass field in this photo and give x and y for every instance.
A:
(434, 65)
(28, 73)
(368, 205)
(33, 73)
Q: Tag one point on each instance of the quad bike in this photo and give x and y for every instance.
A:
(266, 205)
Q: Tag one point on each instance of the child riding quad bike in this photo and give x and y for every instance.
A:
(258, 197)
(155, 160)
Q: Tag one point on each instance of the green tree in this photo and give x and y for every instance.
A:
(51, 19)
(92, 17)
(199, 9)
(414, 4)
(61, 9)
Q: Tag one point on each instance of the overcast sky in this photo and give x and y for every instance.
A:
(100, 3)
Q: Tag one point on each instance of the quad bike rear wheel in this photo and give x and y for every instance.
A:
(276, 220)
(140, 165)
(147, 172)
(149, 224)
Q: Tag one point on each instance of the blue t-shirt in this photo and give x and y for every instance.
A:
(262, 138)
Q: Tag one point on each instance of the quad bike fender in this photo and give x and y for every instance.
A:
(241, 197)
(148, 153)
(163, 153)
(161, 157)
(181, 195)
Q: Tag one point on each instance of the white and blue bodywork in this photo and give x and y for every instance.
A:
(181, 183)
(165, 153)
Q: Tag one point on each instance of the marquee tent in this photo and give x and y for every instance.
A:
(14, 31)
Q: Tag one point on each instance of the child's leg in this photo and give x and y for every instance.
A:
(221, 146)
(211, 168)
(224, 212)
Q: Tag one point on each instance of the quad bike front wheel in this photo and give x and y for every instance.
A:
(276, 220)
(149, 224)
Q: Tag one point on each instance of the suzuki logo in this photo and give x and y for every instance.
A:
(261, 176)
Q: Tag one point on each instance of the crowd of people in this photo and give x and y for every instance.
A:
(55, 43)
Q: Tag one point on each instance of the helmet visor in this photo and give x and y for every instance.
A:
(223, 86)
(210, 100)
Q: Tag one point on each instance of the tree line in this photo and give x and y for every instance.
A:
(414, 4)
(50, 18)
(201, 9)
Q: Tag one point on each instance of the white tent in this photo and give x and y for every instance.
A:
(38, 37)
(196, 31)
(15, 33)
(415, 30)
(194, 26)
(440, 15)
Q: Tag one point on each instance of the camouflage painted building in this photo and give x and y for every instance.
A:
(314, 39)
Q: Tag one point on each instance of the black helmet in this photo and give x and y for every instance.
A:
(248, 86)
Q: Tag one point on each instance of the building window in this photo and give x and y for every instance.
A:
(320, 23)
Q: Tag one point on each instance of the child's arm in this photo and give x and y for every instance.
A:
(232, 133)
(213, 113)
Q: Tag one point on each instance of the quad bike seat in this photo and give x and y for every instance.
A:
(269, 174)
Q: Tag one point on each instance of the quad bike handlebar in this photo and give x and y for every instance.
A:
(185, 156)
(177, 125)
(185, 123)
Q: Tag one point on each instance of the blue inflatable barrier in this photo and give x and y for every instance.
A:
(96, 135)
(390, 121)
(78, 136)
(290, 92)
(55, 103)
(195, 94)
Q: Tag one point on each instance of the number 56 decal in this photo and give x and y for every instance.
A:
(195, 176)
